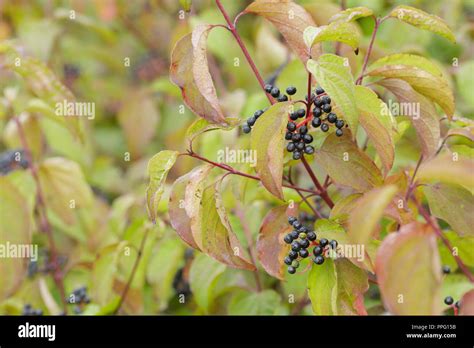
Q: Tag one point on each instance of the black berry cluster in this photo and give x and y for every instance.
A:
(298, 138)
(275, 93)
(300, 239)
(79, 297)
(322, 107)
(29, 310)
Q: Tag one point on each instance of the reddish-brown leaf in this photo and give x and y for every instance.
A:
(290, 19)
(467, 303)
(408, 270)
(190, 72)
(271, 248)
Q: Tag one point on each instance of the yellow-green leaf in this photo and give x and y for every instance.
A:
(431, 86)
(347, 165)
(334, 75)
(408, 271)
(15, 229)
(202, 125)
(64, 187)
(190, 72)
(422, 20)
(454, 204)
(408, 59)
(337, 31)
(423, 115)
(366, 215)
(351, 14)
(322, 288)
(267, 140)
(289, 18)
(450, 169)
(376, 119)
(158, 168)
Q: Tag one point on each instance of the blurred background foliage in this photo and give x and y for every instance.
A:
(116, 54)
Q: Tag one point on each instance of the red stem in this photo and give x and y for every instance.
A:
(246, 53)
(369, 51)
(42, 214)
(436, 228)
(236, 172)
(324, 195)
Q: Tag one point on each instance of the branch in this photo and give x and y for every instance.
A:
(434, 224)
(246, 53)
(369, 50)
(132, 274)
(236, 172)
(42, 214)
(323, 193)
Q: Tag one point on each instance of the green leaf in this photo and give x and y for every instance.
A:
(365, 217)
(462, 247)
(201, 125)
(426, 123)
(409, 271)
(322, 288)
(346, 164)
(64, 187)
(377, 121)
(44, 84)
(271, 249)
(161, 270)
(464, 81)
(448, 169)
(453, 204)
(422, 20)
(337, 31)
(408, 59)
(138, 118)
(215, 232)
(334, 75)
(203, 277)
(351, 14)
(15, 229)
(267, 140)
(352, 283)
(186, 4)
(180, 200)
(267, 302)
(431, 86)
(190, 72)
(290, 19)
(104, 272)
(158, 168)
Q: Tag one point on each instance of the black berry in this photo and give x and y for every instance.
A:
(268, 88)
(309, 149)
(318, 260)
(258, 113)
(303, 130)
(296, 155)
(292, 220)
(318, 102)
(339, 123)
(319, 90)
(291, 126)
(291, 270)
(311, 235)
(296, 137)
(288, 239)
(316, 122)
(326, 108)
(326, 100)
(304, 253)
(295, 246)
(301, 112)
(308, 138)
(332, 118)
(251, 121)
(275, 92)
(324, 127)
(294, 116)
(294, 234)
(448, 300)
(317, 112)
(446, 269)
(297, 224)
(333, 244)
(288, 260)
(288, 135)
(323, 242)
(293, 254)
(339, 132)
(246, 128)
(282, 98)
(291, 90)
(290, 147)
(318, 250)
